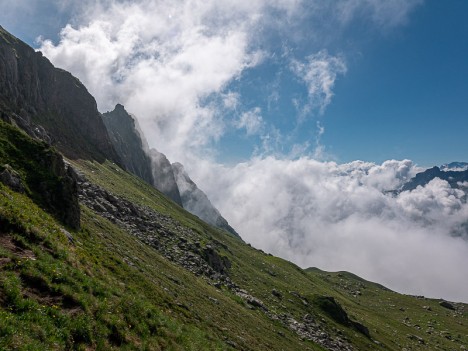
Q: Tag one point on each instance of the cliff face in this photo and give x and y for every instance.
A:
(163, 175)
(34, 93)
(196, 202)
(128, 142)
(33, 167)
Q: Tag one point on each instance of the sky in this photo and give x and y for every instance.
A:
(295, 117)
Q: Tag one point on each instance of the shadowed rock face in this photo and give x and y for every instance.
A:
(128, 142)
(196, 202)
(34, 93)
(33, 167)
(163, 176)
(132, 147)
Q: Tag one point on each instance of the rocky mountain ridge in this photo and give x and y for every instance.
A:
(456, 179)
(154, 167)
(50, 103)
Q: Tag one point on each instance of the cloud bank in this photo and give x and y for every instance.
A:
(173, 64)
(339, 217)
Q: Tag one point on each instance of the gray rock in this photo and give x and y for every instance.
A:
(163, 175)
(12, 179)
(447, 305)
(128, 142)
(196, 202)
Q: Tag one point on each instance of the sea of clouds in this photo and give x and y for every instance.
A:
(164, 60)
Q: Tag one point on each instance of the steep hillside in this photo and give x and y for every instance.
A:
(154, 167)
(142, 273)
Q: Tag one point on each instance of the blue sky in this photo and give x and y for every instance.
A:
(404, 93)
(407, 95)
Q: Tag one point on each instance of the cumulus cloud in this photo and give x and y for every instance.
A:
(161, 60)
(342, 217)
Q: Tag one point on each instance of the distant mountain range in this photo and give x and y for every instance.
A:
(455, 166)
(455, 173)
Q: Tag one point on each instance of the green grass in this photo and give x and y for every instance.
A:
(107, 290)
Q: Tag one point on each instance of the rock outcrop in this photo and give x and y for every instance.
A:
(196, 202)
(38, 170)
(163, 175)
(128, 142)
(36, 96)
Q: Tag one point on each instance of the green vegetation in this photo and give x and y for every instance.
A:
(105, 289)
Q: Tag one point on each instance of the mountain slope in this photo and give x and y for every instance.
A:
(154, 167)
(95, 258)
(157, 277)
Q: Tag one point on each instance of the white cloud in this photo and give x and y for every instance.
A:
(251, 121)
(319, 73)
(337, 217)
(163, 60)
(386, 14)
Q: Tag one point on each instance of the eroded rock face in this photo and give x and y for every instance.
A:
(163, 174)
(11, 179)
(62, 195)
(34, 93)
(128, 142)
(196, 202)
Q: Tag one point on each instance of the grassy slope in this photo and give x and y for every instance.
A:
(108, 290)
(399, 321)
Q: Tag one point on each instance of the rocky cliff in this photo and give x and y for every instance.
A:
(196, 202)
(35, 94)
(128, 142)
(163, 175)
(34, 168)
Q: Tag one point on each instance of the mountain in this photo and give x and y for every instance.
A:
(164, 179)
(454, 166)
(39, 97)
(128, 143)
(454, 178)
(92, 257)
(195, 201)
(154, 167)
